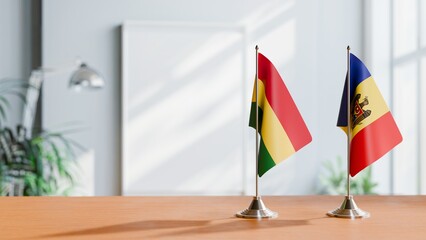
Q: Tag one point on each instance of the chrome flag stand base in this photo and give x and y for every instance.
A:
(349, 209)
(257, 209)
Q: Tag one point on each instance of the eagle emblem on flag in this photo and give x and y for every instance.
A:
(358, 113)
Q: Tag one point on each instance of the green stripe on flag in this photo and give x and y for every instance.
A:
(252, 120)
(265, 160)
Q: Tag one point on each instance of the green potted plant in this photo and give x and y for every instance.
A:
(36, 165)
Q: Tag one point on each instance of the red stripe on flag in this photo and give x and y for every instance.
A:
(283, 105)
(374, 141)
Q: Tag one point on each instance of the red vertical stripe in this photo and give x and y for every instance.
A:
(283, 105)
(374, 141)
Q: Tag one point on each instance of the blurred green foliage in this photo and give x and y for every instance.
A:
(38, 165)
(334, 176)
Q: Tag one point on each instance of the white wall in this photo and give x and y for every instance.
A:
(15, 47)
(306, 39)
(394, 53)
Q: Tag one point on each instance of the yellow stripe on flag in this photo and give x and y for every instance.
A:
(376, 103)
(273, 134)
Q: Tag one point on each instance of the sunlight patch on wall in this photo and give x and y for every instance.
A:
(183, 126)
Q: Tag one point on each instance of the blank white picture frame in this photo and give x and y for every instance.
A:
(184, 109)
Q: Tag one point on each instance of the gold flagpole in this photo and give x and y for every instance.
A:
(257, 208)
(348, 209)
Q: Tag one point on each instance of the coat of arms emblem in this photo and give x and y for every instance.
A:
(358, 113)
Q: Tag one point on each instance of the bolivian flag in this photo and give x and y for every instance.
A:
(374, 131)
(281, 126)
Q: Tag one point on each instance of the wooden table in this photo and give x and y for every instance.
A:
(301, 217)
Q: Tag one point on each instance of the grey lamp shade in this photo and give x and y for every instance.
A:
(87, 78)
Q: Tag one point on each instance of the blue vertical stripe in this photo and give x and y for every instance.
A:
(358, 74)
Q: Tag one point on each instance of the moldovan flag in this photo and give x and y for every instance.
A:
(374, 131)
(281, 126)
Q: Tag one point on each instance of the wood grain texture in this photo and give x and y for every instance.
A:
(300, 217)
